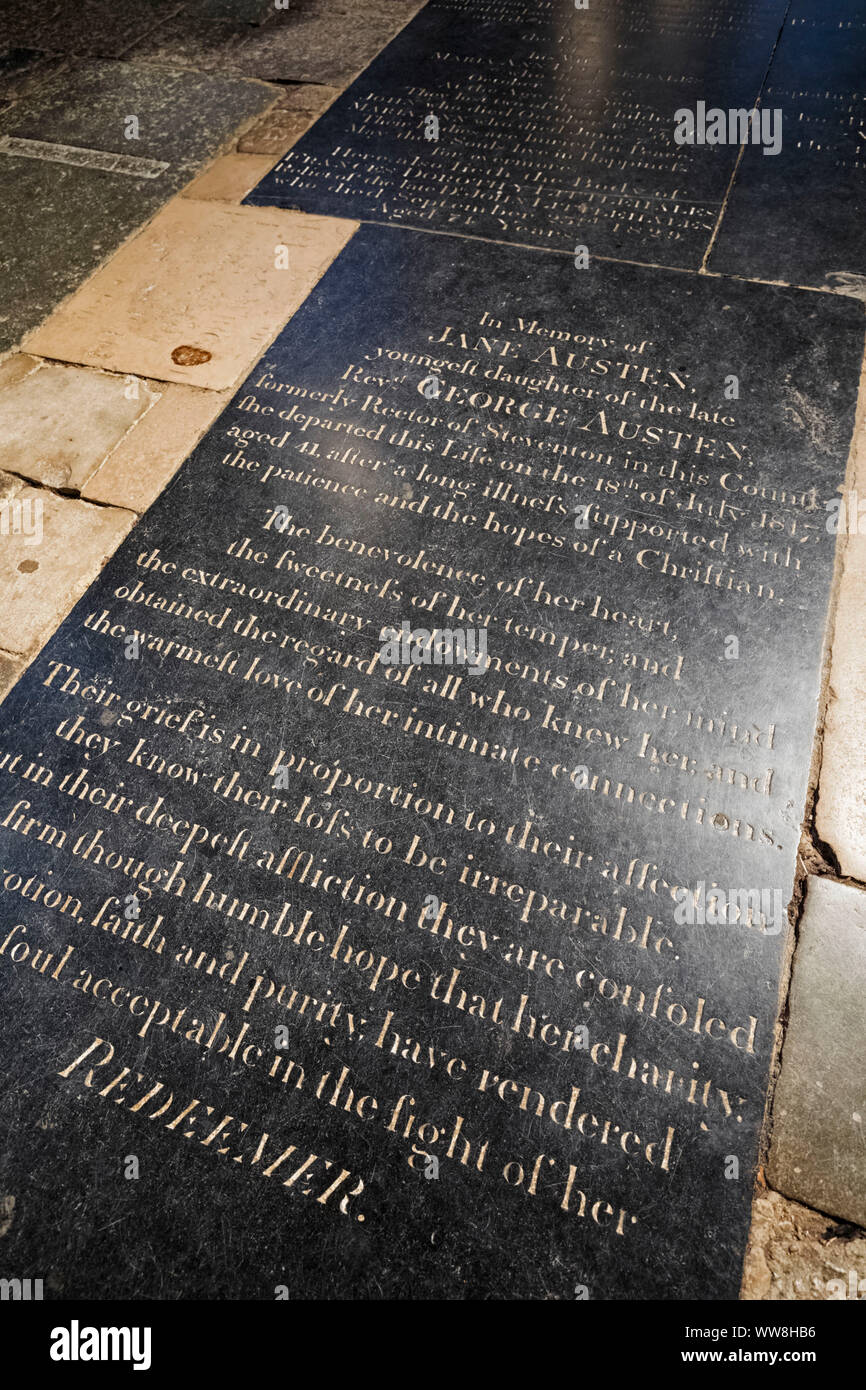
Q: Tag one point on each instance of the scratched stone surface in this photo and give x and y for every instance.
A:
(108, 29)
(331, 971)
(309, 42)
(816, 1155)
(798, 215)
(101, 28)
(59, 221)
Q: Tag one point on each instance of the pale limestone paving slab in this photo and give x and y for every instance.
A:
(298, 107)
(136, 472)
(818, 1145)
(58, 222)
(840, 808)
(307, 96)
(230, 178)
(59, 423)
(15, 367)
(798, 1254)
(276, 133)
(42, 577)
(196, 296)
(11, 668)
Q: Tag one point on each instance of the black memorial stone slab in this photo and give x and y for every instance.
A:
(552, 127)
(798, 216)
(63, 208)
(398, 971)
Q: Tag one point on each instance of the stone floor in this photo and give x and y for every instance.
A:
(103, 398)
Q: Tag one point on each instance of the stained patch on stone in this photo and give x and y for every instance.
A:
(190, 356)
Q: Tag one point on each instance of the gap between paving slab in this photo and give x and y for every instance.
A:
(147, 458)
(795, 1253)
(52, 549)
(145, 429)
(58, 423)
(145, 432)
(12, 668)
(840, 809)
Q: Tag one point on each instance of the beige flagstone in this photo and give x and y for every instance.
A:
(197, 295)
(51, 548)
(307, 96)
(276, 135)
(15, 366)
(230, 179)
(151, 453)
(11, 670)
(58, 423)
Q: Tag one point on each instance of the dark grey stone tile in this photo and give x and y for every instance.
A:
(22, 71)
(58, 221)
(818, 1151)
(20, 22)
(303, 44)
(92, 28)
(181, 118)
(108, 29)
(183, 42)
(624, 750)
